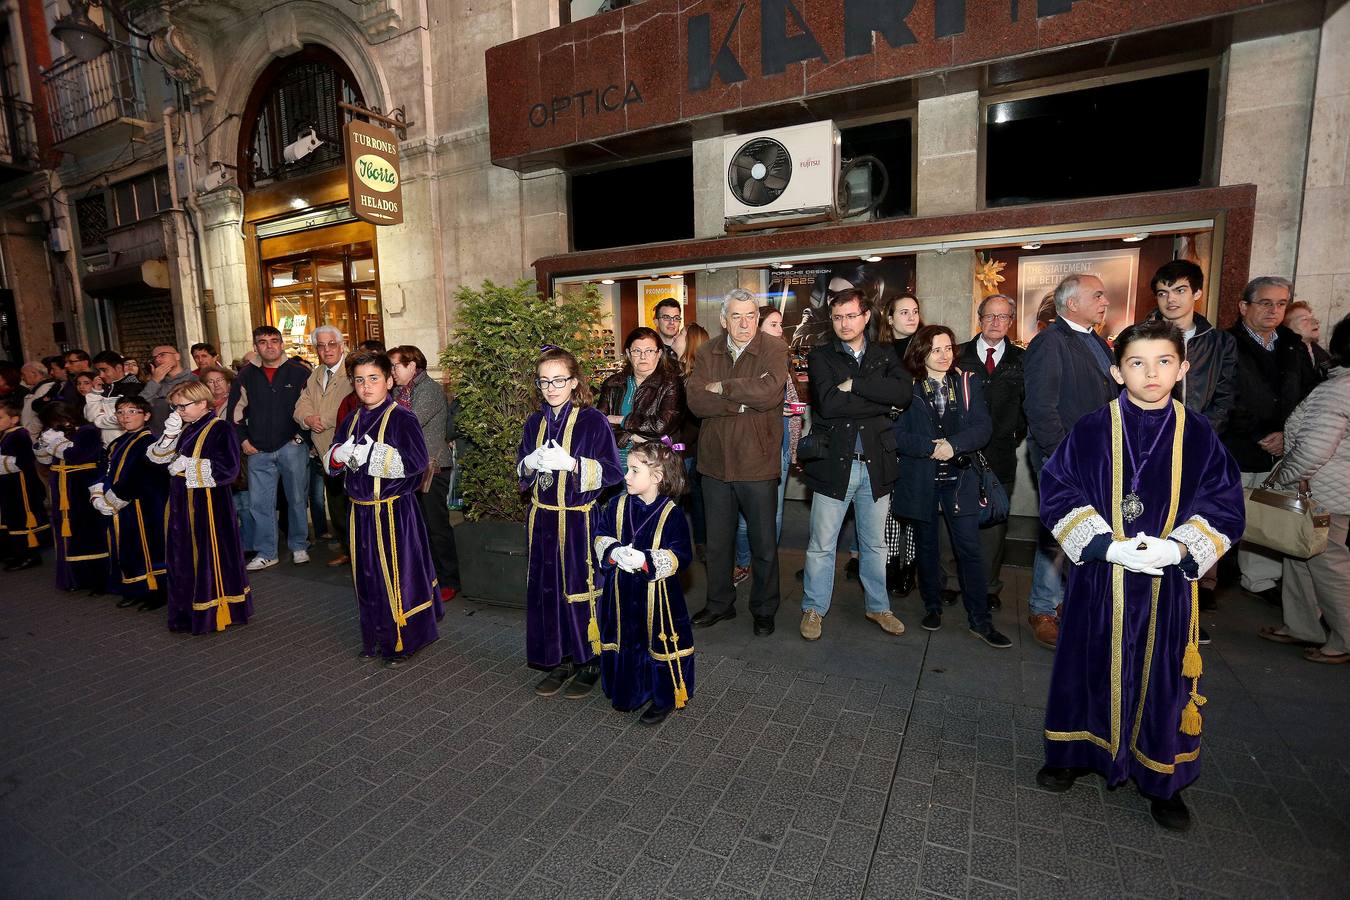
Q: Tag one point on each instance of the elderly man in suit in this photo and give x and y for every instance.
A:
(1068, 375)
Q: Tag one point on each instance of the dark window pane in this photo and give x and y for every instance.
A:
(640, 204)
(91, 213)
(124, 201)
(145, 196)
(1145, 135)
(163, 198)
(892, 144)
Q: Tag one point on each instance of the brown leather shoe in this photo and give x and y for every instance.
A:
(1045, 629)
(341, 560)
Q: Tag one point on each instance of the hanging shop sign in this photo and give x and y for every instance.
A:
(374, 181)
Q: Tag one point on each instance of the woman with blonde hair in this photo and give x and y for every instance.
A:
(687, 345)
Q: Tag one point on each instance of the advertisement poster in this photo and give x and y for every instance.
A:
(1037, 277)
(802, 294)
(653, 292)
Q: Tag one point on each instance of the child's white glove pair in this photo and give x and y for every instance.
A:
(351, 454)
(550, 456)
(1144, 554)
(628, 559)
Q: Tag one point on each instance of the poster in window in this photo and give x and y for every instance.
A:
(803, 295)
(1037, 277)
(653, 292)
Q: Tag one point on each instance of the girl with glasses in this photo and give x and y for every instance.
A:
(566, 458)
(644, 401)
(208, 590)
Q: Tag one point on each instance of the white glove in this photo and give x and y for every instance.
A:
(114, 502)
(361, 452)
(50, 438)
(531, 462)
(343, 452)
(628, 559)
(179, 465)
(558, 459)
(173, 425)
(1127, 553)
(1161, 552)
(102, 506)
(96, 489)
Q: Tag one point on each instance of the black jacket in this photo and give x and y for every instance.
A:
(965, 425)
(1210, 385)
(880, 385)
(1270, 383)
(1063, 384)
(267, 421)
(1003, 394)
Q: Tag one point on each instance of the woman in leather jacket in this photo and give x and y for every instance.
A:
(645, 399)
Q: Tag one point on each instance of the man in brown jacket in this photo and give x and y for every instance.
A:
(736, 388)
(317, 411)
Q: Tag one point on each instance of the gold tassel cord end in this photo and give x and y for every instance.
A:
(1191, 666)
(593, 635)
(1190, 716)
(681, 696)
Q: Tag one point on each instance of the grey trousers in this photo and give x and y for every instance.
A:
(1320, 587)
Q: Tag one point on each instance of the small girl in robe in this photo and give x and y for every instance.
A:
(646, 640)
(133, 496)
(567, 457)
(24, 530)
(208, 589)
(381, 453)
(74, 450)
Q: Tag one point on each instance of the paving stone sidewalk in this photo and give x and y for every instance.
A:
(269, 762)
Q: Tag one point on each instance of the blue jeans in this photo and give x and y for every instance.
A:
(827, 517)
(245, 515)
(964, 532)
(318, 504)
(291, 465)
(1047, 568)
(742, 536)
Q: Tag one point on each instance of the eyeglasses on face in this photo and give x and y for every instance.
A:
(555, 383)
(996, 317)
(642, 352)
(1268, 304)
(180, 407)
(846, 317)
(666, 317)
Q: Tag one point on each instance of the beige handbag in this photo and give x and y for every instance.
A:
(1286, 521)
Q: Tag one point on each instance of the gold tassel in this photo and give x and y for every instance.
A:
(593, 635)
(222, 614)
(1190, 716)
(32, 541)
(681, 695)
(1191, 666)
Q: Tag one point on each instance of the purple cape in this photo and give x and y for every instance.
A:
(1125, 690)
(23, 514)
(396, 592)
(646, 639)
(137, 531)
(208, 588)
(562, 589)
(80, 532)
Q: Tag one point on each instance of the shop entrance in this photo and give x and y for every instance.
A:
(325, 276)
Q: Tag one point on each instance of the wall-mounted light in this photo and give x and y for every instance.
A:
(1135, 238)
(872, 258)
(298, 203)
(1032, 245)
(782, 265)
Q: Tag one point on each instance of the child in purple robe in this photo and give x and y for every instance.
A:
(1143, 498)
(74, 450)
(567, 456)
(381, 453)
(133, 496)
(24, 530)
(646, 639)
(208, 589)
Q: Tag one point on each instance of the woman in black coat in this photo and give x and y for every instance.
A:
(937, 438)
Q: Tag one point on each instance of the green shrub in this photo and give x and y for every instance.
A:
(490, 364)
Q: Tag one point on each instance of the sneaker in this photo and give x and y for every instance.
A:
(300, 557)
(260, 562)
(740, 574)
(811, 625)
(993, 637)
(932, 621)
(1056, 779)
(888, 622)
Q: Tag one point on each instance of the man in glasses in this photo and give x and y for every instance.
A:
(166, 373)
(1274, 374)
(669, 324)
(997, 362)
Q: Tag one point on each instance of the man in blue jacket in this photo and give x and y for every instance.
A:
(1068, 375)
(262, 406)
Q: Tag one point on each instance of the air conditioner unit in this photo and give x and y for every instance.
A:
(785, 176)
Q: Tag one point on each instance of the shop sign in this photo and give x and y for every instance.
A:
(374, 183)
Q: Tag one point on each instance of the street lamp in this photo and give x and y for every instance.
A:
(85, 40)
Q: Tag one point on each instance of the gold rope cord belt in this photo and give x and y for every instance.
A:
(62, 470)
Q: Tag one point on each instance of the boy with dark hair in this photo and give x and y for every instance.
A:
(669, 321)
(24, 529)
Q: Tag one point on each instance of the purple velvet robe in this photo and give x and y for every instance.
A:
(562, 588)
(396, 592)
(208, 588)
(1125, 689)
(136, 533)
(23, 515)
(646, 639)
(81, 534)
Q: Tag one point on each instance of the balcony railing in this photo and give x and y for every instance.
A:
(84, 95)
(18, 144)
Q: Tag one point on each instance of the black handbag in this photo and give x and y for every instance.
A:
(994, 502)
(813, 445)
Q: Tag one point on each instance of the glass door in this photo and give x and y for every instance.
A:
(335, 286)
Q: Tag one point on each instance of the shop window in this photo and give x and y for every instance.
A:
(644, 203)
(892, 143)
(1136, 136)
(141, 198)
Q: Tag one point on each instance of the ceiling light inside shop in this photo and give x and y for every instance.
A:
(1135, 238)
(297, 203)
(872, 258)
(606, 280)
(782, 265)
(1032, 245)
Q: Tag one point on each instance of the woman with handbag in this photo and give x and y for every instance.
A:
(1317, 433)
(939, 485)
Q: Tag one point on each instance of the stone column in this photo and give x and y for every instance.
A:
(709, 188)
(1323, 274)
(222, 214)
(948, 174)
(410, 262)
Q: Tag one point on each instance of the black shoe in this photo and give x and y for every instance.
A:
(152, 603)
(366, 654)
(394, 662)
(994, 601)
(1171, 814)
(554, 680)
(706, 617)
(763, 625)
(1056, 780)
(654, 715)
(931, 622)
(950, 597)
(993, 637)
(128, 601)
(580, 685)
(907, 577)
(851, 569)
(1204, 637)
(1207, 600)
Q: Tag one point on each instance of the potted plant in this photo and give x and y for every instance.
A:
(490, 363)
